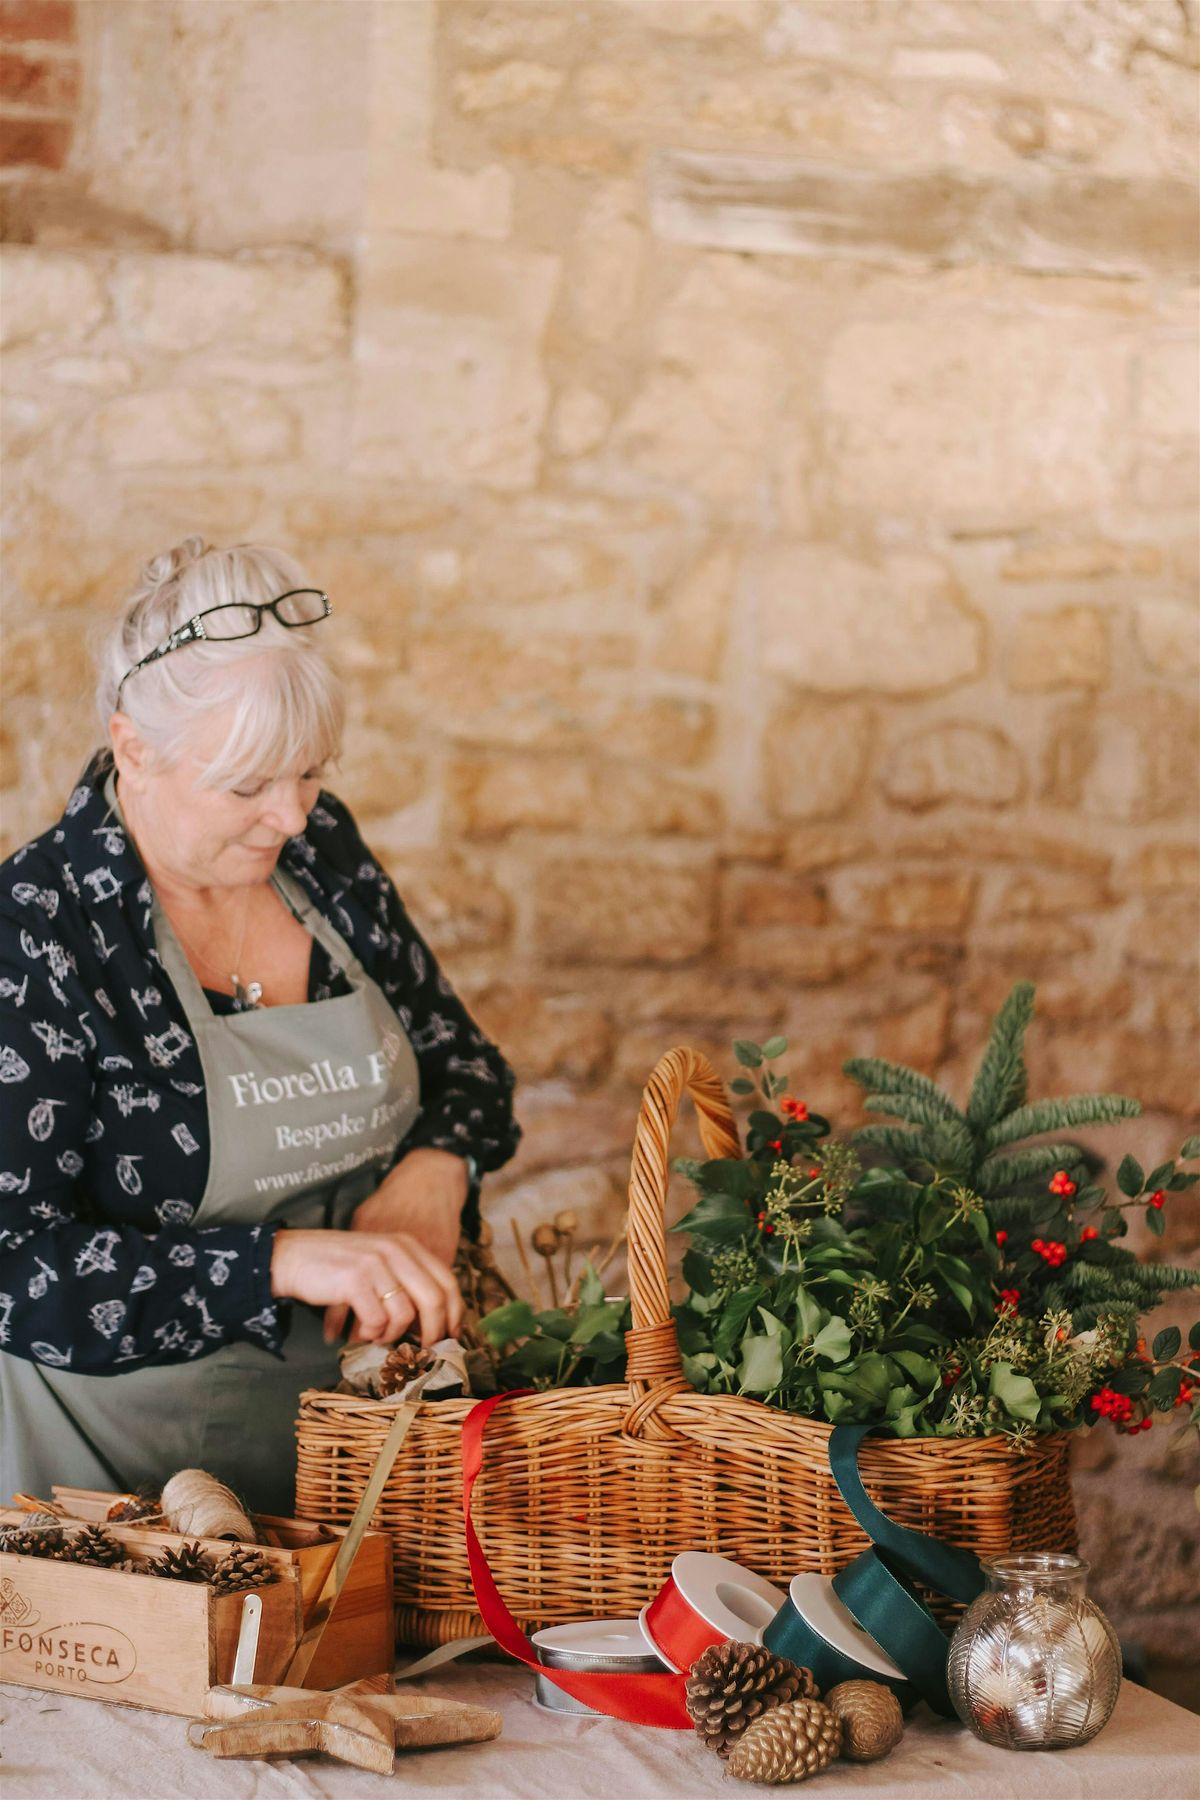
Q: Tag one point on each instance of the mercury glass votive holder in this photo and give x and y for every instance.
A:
(1034, 1664)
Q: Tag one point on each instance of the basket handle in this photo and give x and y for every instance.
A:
(652, 1344)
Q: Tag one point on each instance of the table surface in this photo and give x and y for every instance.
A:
(57, 1747)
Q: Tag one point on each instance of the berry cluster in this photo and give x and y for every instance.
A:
(1186, 1394)
(1119, 1408)
(1062, 1184)
(792, 1109)
(764, 1225)
(1052, 1254)
(1010, 1299)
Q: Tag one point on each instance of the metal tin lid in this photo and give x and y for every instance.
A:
(614, 1646)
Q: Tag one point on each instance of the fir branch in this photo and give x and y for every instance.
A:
(1000, 1083)
(906, 1146)
(882, 1077)
(1136, 1281)
(1008, 1171)
(915, 1109)
(1006, 1210)
(1060, 1115)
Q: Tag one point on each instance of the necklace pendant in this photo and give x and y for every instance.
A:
(250, 995)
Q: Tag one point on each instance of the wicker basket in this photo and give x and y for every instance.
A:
(588, 1493)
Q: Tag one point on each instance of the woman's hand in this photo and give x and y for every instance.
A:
(424, 1196)
(388, 1280)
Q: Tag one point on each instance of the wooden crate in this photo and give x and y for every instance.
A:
(116, 1636)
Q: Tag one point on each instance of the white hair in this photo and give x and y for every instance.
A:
(288, 705)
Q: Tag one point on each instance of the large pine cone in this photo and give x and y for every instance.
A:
(93, 1545)
(732, 1684)
(872, 1722)
(188, 1563)
(41, 1535)
(789, 1743)
(244, 1567)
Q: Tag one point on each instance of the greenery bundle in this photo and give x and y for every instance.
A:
(940, 1275)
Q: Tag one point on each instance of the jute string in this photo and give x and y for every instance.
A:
(199, 1505)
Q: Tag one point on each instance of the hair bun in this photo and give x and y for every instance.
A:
(169, 563)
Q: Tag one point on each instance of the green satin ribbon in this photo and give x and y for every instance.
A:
(791, 1636)
(877, 1587)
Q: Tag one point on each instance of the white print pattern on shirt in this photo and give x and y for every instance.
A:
(144, 1278)
(174, 1212)
(25, 894)
(41, 1119)
(263, 1323)
(127, 1174)
(39, 1284)
(219, 1273)
(182, 1255)
(51, 1354)
(148, 997)
(131, 1096)
(59, 1043)
(184, 1139)
(71, 1163)
(105, 1004)
(10, 991)
(168, 1046)
(103, 949)
(108, 1316)
(94, 1132)
(112, 837)
(13, 1068)
(111, 1063)
(207, 1327)
(103, 883)
(96, 1257)
(15, 1184)
(6, 1305)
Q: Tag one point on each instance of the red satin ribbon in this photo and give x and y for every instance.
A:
(679, 1634)
(639, 1699)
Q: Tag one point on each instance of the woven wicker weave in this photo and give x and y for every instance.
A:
(588, 1493)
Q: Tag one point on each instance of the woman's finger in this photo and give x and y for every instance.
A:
(438, 1272)
(335, 1323)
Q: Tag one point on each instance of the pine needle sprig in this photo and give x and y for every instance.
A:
(906, 1146)
(914, 1109)
(1001, 1082)
(882, 1077)
(1058, 1115)
(1001, 1172)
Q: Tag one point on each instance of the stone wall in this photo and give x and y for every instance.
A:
(751, 446)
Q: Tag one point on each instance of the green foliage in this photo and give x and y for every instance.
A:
(1001, 1081)
(883, 1077)
(1001, 1172)
(1058, 1115)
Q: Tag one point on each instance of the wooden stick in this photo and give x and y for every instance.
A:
(516, 1231)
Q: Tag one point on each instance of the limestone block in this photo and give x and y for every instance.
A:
(455, 903)
(995, 843)
(667, 730)
(91, 371)
(607, 264)
(1043, 896)
(1155, 868)
(1068, 647)
(1168, 636)
(691, 621)
(1025, 946)
(283, 305)
(801, 959)
(543, 690)
(905, 397)
(919, 1035)
(622, 910)
(546, 1037)
(496, 796)
(450, 385)
(814, 757)
(751, 898)
(950, 762)
(1048, 558)
(376, 778)
(508, 85)
(945, 63)
(502, 30)
(1169, 380)
(49, 294)
(696, 18)
(824, 847)
(1126, 757)
(906, 901)
(560, 1126)
(189, 426)
(896, 626)
(48, 662)
(580, 421)
(1167, 934)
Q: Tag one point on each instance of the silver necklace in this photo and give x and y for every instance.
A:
(247, 994)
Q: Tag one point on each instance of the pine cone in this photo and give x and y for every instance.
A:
(41, 1536)
(403, 1362)
(93, 1545)
(872, 1723)
(244, 1567)
(188, 1563)
(733, 1684)
(789, 1743)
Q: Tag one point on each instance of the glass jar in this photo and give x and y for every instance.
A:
(1034, 1664)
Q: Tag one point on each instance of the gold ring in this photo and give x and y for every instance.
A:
(396, 1290)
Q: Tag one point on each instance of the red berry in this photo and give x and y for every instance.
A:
(1087, 1234)
(1002, 1238)
(1157, 1197)
(1037, 1245)
(813, 1174)
(775, 1144)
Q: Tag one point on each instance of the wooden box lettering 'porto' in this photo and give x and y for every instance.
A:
(113, 1635)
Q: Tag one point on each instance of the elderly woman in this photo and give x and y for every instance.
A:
(243, 1107)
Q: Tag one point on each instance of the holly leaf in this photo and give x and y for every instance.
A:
(747, 1053)
(716, 1219)
(1194, 1336)
(1130, 1178)
(1016, 1393)
(762, 1364)
(1159, 1177)
(506, 1324)
(1155, 1220)
(1167, 1344)
(1163, 1389)
(1191, 1148)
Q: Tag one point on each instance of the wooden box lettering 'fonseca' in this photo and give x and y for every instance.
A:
(114, 1635)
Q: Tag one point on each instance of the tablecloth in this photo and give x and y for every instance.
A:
(57, 1747)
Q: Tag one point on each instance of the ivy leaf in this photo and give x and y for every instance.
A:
(717, 1219)
(697, 1272)
(762, 1364)
(591, 1288)
(833, 1340)
(505, 1324)
(732, 1323)
(590, 1321)
(919, 1367)
(1155, 1221)
(809, 1316)
(1130, 1178)
(950, 1269)
(774, 1046)
(747, 1053)
(555, 1324)
(1016, 1393)
(1167, 1343)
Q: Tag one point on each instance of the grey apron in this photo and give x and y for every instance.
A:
(287, 1144)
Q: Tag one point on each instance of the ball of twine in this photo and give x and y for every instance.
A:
(197, 1504)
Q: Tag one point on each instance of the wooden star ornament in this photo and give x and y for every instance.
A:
(353, 1724)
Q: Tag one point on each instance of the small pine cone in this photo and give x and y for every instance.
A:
(244, 1567)
(732, 1684)
(789, 1743)
(41, 1536)
(402, 1364)
(188, 1563)
(872, 1722)
(93, 1545)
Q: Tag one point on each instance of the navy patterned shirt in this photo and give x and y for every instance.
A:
(104, 1144)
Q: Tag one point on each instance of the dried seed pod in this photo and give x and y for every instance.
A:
(545, 1242)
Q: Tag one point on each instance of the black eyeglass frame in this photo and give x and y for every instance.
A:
(192, 630)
